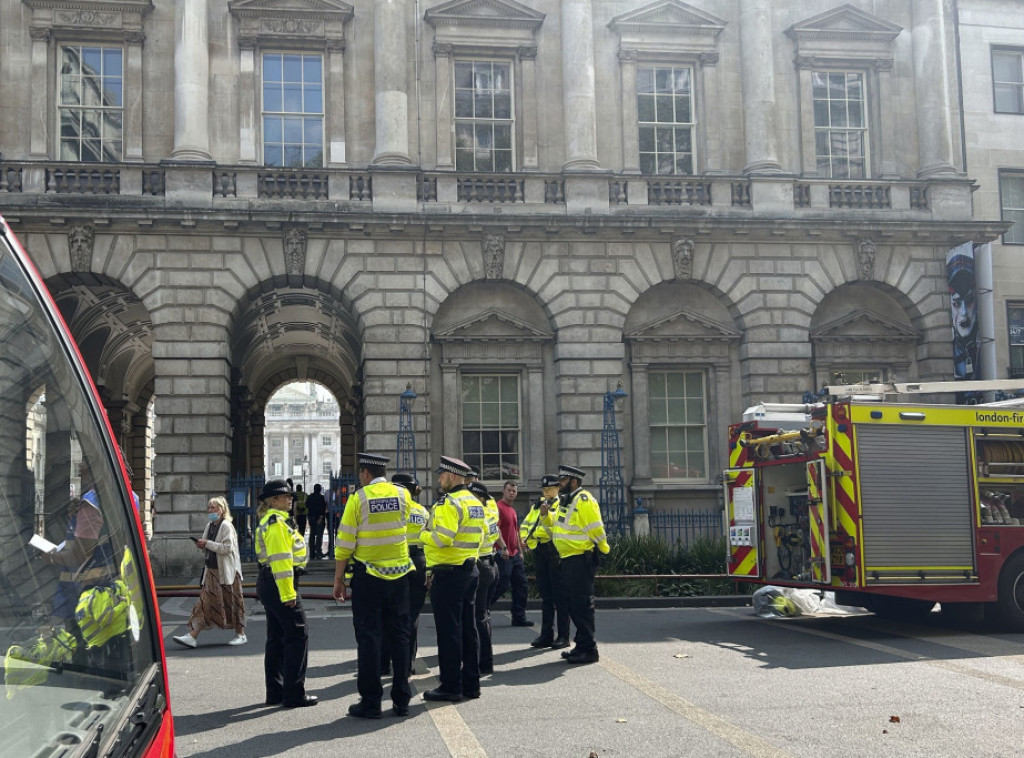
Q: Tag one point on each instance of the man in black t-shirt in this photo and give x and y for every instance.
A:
(316, 508)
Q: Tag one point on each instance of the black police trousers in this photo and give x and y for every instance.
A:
(453, 598)
(287, 648)
(577, 576)
(488, 575)
(380, 612)
(551, 591)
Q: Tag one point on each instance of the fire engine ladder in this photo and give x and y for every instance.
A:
(915, 388)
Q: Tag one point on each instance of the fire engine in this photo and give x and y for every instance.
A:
(893, 506)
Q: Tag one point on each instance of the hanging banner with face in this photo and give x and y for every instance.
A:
(963, 305)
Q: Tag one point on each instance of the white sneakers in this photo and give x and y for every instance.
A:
(187, 640)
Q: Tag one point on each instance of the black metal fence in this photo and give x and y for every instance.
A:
(685, 526)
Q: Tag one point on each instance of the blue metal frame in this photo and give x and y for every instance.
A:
(612, 489)
(405, 453)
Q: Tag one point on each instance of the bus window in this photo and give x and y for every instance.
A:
(78, 629)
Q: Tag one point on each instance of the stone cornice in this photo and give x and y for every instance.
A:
(482, 14)
(668, 18)
(315, 10)
(107, 6)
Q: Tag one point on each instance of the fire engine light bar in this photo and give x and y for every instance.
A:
(908, 416)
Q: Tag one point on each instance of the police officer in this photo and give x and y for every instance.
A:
(372, 535)
(451, 542)
(488, 574)
(281, 552)
(417, 579)
(578, 534)
(536, 534)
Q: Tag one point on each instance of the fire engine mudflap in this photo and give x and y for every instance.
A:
(892, 507)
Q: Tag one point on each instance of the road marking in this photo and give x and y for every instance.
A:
(897, 652)
(749, 743)
(457, 736)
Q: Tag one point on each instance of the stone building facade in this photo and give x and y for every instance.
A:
(513, 208)
(302, 439)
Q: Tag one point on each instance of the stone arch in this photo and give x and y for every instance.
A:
(680, 332)
(286, 330)
(488, 329)
(865, 331)
(114, 332)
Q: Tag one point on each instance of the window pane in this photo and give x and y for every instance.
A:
(509, 415)
(272, 97)
(272, 129)
(311, 68)
(482, 106)
(292, 98)
(471, 415)
(664, 109)
(313, 133)
(464, 135)
(272, 68)
(648, 164)
(292, 68)
(489, 389)
(292, 130)
(92, 58)
(1006, 67)
(112, 92)
(312, 101)
(272, 155)
(663, 80)
(503, 161)
(463, 74)
(503, 137)
(1008, 98)
(675, 385)
(292, 156)
(647, 139)
(837, 113)
(683, 110)
(645, 108)
(645, 80)
(503, 105)
(464, 103)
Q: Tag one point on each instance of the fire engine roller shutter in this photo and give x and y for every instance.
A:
(916, 501)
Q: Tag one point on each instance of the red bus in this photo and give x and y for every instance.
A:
(84, 672)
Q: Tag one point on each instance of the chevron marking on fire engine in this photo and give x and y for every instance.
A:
(841, 452)
(457, 736)
(750, 744)
(818, 536)
(746, 560)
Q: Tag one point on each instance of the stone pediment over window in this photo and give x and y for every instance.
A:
(864, 326)
(502, 23)
(668, 26)
(104, 17)
(297, 21)
(683, 326)
(492, 326)
(845, 32)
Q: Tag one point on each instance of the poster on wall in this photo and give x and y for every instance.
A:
(963, 306)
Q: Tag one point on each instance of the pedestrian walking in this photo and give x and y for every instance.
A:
(536, 534)
(281, 551)
(220, 604)
(579, 538)
(451, 542)
(372, 536)
(511, 570)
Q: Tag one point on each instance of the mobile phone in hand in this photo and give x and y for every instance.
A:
(194, 539)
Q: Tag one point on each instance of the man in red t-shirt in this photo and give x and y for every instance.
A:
(511, 571)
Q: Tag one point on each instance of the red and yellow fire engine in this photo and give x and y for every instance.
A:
(893, 506)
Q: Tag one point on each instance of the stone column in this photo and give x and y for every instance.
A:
(336, 147)
(530, 130)
(450, 402)
(889, 164)
(630, 115)
(285, 454)
(392, 101)
(191, 82)
(579, 98)
(640, 394)
(758, 77)
(933, 89)
(535, 458)
(707, 72)
(39, 116)
(132, 126)
(445, 117)
(248, 125)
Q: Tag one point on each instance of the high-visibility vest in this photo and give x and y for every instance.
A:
(282, 548)
(102, 613)
(491, 524)
(372, 530)
(300, 504)
(536, 530)
(578, 527)
(455, 530)
(418, 516)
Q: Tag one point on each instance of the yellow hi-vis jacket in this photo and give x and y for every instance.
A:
(491, 525)
(418, 516)
(535, 529)
(280, 546)
(372, 530)
(300, 504)
(455, 529)
(578, 526)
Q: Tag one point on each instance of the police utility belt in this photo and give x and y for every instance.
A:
(415, 550)
(466, 565)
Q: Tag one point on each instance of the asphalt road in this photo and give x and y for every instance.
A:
(708, 682)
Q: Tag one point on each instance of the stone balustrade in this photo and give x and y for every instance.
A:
(524, 192)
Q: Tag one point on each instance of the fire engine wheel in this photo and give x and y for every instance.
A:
(899, 608)
(1011, 592)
